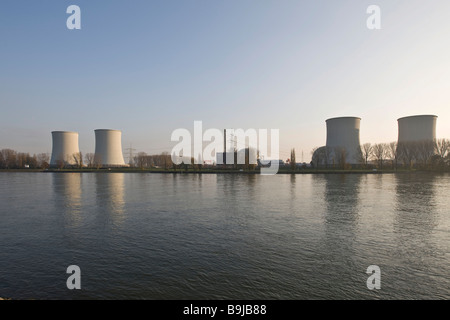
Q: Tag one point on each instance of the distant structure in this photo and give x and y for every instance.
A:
(416, 128)
(130, 156)
(64, 147)
(342, 145)
(108, 148)
(343, 136)
(223, 158)
(228, 156)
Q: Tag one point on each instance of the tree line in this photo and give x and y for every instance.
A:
(425, 154)
(144, 161)
(11, 159)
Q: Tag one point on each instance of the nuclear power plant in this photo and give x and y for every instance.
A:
(108, 148)
(64, 147)
(417, 128)
(342, 143)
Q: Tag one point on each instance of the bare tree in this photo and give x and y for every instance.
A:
(442, 156)
(43, 160)
(293, 161)
(97, 161)
(442, 147)
(22, 160)
(9, 157)
(366, 152)
(78, 159)
(393, 154)
(140, 160)
(34, 162)
(380, 152)
(165, 160)
(89, 157)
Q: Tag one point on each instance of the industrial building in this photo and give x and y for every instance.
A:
(417, 128)
(108, 148)
(64, 147)
(223, 158)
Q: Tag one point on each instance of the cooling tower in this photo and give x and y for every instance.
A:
(108, 148)
(65, 145)
(343, 134)
(417, 128)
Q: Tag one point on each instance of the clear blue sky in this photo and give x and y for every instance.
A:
(149, 67)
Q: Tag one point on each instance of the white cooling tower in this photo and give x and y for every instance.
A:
(417, 128)
(108, 148)
(65, 145)
(343, 133)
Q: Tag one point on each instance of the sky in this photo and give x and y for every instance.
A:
(150, 67)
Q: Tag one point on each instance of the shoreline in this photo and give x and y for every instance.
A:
(206, 171)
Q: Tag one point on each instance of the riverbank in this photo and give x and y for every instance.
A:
(221, 171)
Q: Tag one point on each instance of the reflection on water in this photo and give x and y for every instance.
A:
(422, 240)
(342, 198)
(341, 195)
(415, 205)
(110, 190)
(192, 236)
(415, 217)
(341, 218)
(67, 187)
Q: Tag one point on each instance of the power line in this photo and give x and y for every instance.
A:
(130, 159)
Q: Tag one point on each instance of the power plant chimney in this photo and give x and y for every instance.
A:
(108, 148)
(64, 147)
(343, 133)
(416, 128)
(224, 146)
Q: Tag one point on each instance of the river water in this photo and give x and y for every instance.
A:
(224, 236)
